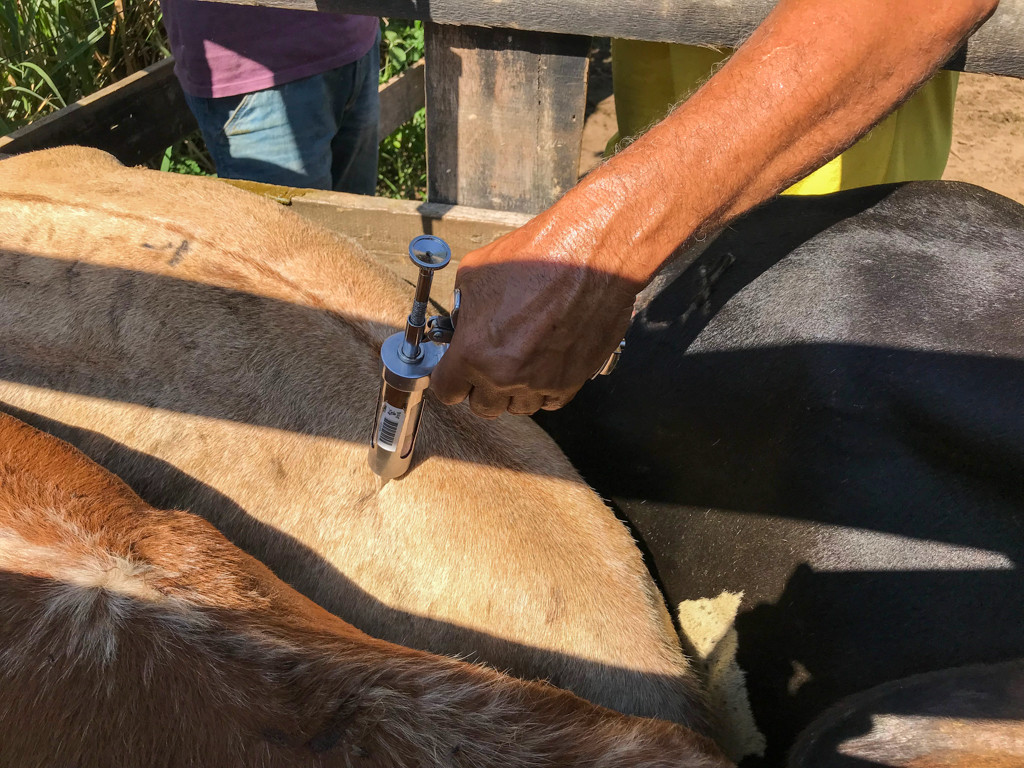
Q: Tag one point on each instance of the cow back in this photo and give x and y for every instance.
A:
(825, 412)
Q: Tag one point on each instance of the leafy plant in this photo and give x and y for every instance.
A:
(402, 162)
(188, 156)
(401, 46)
(53, 52)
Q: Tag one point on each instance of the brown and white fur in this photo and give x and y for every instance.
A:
(221, 354)
(132, 636)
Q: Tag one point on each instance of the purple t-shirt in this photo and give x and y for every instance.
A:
(225, 50)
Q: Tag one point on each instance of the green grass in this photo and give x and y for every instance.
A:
(53, 52)
(402, 161)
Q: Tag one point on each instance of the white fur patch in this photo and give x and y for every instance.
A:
(88, 567)
(708, 624)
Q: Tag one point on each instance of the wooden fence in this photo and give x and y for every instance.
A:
(505, 86)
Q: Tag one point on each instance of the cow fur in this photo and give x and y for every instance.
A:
(132, 636)
(968, 717)
(824, 412)
(221, 354)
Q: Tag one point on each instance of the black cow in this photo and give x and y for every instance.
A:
(825, 410)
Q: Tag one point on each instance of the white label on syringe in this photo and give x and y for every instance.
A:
(390, 426)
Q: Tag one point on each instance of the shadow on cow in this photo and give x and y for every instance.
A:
(237, 344)
(825, 411)
(171, 487)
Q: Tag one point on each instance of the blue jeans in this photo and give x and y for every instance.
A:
(319, 132)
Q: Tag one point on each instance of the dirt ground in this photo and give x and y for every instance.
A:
(988, 134)
(988, 128)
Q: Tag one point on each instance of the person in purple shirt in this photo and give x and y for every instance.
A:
(283, 97)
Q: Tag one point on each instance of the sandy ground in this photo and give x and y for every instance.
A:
(599, 125)
(988, 128)
(988, 134)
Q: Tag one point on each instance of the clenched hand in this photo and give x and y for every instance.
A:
(542, 308)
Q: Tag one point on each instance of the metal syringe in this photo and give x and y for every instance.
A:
(408, 358)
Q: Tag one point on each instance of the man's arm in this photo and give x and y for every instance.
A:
(544, 306)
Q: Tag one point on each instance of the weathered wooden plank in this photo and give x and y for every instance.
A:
(384, 227)
(997, 49)
(400, 97)
(133, 119)
(506, 113)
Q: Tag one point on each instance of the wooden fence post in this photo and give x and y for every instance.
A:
(505, 115)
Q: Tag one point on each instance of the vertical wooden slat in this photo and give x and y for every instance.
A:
(504, 116)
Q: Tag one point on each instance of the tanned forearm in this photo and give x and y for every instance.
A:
(544, 305)
(813, 78)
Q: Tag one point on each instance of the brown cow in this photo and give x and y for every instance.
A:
(134, 636)
(220, 354)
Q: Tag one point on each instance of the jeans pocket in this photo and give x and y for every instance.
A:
(236, 122)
